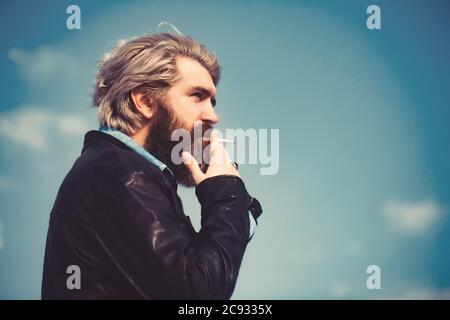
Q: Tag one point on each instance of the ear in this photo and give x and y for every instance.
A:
(142, 103)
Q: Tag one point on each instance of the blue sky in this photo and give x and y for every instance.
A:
(363, 116)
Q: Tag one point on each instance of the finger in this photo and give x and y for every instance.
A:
(213, 137)
(192, 166)
(218, 154)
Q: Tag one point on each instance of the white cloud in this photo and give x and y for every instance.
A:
(26, 126)
(44, 64)
(413, 218)
(71, 125)
(32, 126)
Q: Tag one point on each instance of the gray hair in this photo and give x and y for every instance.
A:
(148, 62)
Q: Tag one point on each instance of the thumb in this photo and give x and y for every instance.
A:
(192, 165)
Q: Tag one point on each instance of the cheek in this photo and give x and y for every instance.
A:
(186, 109)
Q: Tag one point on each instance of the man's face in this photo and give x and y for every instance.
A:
(189, 102)
(192, 97)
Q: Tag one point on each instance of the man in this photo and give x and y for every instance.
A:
(117, 229)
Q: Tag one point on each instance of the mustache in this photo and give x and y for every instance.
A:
(205, 129)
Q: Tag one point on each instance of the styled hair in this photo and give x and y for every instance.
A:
(148, 62)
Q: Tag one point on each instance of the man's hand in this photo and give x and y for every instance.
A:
(219, 163)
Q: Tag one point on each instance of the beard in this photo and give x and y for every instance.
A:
(159, 143)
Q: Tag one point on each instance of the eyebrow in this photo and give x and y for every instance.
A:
(204, 91)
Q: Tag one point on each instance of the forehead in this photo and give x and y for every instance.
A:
(193, 74)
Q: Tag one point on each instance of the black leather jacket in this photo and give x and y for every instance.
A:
(119, 219)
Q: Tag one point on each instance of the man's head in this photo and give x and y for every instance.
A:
(154, 85)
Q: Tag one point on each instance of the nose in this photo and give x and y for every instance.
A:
(210, 115)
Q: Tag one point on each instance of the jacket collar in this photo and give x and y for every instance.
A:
(121, 140)
(134, 146)
(98, 137)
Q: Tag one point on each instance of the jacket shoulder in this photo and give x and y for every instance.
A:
(94, 169)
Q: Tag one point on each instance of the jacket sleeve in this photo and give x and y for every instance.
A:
(165, 257)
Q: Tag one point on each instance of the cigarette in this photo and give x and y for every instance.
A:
(220, 140)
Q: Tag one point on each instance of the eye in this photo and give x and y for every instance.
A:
(197, 94)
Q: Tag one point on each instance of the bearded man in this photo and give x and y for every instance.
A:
(117, 229)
